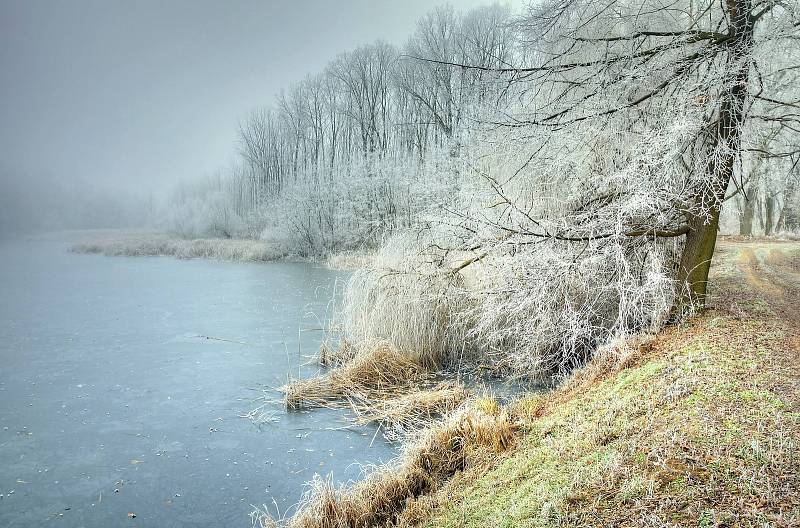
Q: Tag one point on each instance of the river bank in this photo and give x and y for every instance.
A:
(698, 427)
(147, 243)
(156, 243)
(695, 426)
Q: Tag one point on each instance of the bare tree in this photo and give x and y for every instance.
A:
(700, 71)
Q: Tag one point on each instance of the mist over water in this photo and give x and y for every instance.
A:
(106, 106)
(527, 193)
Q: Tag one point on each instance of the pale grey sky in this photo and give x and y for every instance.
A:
(139, 94)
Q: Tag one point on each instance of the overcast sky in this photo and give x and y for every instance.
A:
(140, 94)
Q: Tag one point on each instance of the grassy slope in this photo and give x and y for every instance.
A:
(699, 428)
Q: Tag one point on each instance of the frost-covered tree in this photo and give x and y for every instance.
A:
(591, 191)
(341, 158)
(709, 79)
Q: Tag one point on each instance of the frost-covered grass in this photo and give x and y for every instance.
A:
(147, 243)
(699, 427)
(159, 243)
(468, 438)
(351, 260)
(787, 235)
(538, 313)
(412, 311)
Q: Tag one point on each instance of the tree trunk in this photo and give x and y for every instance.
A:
(696, 263)
(692, 275)
(746, 218)
(769, 214)
(790, 212)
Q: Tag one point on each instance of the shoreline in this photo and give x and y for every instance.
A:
(115, 243)
(694, 380)
(671, 428)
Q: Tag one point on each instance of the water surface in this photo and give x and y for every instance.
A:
(112, 399)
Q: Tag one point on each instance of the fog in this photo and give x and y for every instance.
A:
(345, 262)
(115, 102)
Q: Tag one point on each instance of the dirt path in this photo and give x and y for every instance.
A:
(769, 270)
(760, 280)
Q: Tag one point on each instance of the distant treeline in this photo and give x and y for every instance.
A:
(346, 155)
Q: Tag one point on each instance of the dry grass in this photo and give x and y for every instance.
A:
(466, 439)
(409, 412)
(410, 303)
(488, 405)
(330, 356)
(350, 260)
(150, 244)
(379, 372)
(696, 426)
(380, 385)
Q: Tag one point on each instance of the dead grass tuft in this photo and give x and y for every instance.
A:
(377, 373)
(408, 412)
(380, 385)
(330, 356)
(465, 439)
(488, 405)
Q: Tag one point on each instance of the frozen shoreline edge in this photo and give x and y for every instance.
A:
(161, 244)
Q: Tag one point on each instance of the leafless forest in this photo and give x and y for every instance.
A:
(537, 182)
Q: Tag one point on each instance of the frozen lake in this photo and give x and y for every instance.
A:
(113, 401)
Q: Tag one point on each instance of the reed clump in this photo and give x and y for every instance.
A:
(150, 244)
(377, 373)
(411, 302)
(379, 384)
(411, 411)
(330, 356)
(467, 438)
